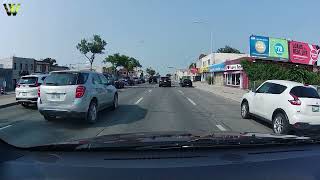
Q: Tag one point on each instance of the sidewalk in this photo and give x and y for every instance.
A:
(226, 92)
(7, 100)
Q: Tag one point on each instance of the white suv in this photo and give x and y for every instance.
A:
(285, 104)
(79, 94)
(27, 89)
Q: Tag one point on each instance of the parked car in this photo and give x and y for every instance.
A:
(114, 80)
(119, 83)
(128, 81)
(79, 94)
(142, 80)
(153, 79)
(186, 82)
(285, 104)
(27, 89)
(136, 80)
(165, 81)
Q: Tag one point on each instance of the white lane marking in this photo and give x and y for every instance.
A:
(138, 100)
(5, 127)
(150, 90)
(192, 102)
(221, 127)
(180, 92)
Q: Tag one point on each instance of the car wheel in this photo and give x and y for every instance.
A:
(49, 118)
(245, 110)
(115, 103)
(92, 114)
(280, 124)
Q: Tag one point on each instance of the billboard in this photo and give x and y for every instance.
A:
(278, 49)
(217, 67)
(259, 46)
(304, 53)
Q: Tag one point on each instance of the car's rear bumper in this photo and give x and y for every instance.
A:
(62, 113)
(26, 100)
(165, 84)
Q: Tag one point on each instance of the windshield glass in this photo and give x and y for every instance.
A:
(124, 69)
(28, 80)
(66, 78)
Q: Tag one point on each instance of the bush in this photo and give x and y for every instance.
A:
(209, 80)
(260, 71)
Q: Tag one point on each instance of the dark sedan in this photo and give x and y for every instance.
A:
(186, 83)
(165, 82)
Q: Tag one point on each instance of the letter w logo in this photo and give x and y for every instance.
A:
(12, 9)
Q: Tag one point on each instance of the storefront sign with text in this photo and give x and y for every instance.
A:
(233, 67)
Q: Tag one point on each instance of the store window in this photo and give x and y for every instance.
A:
(233, 79)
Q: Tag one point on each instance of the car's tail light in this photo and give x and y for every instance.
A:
(296, 101)
(38, 91)
(80, 91)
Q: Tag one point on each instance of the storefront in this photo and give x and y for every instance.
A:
(217, 70)
(234, 75)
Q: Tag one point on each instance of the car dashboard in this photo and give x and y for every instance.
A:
(285, 162)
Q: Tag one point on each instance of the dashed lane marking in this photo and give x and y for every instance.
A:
(139, 100)
(180, 92)
(221, 127)
(192, 102)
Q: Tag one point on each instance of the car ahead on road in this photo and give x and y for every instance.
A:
(136, 80)
(165, 82)
(186, 83)
(27, 89)
(153, 79)
(79, 94)
(118, 83)
(286, 104)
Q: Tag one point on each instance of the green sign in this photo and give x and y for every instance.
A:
(278, 49)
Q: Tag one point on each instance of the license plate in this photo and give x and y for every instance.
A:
(55, 96)
(24, 94)
(315, 108)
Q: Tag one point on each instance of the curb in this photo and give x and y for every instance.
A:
(217, 94)
(8, 105)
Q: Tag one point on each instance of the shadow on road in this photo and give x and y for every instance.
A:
(124, 114)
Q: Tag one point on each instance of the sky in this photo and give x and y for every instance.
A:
(159, 33)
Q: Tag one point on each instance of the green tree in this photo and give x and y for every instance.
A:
(192, 65)
(228, 49)
(51, 61)
(94, 46)
(151, 71)
(118, 60)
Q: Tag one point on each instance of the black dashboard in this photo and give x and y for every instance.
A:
(276, 163)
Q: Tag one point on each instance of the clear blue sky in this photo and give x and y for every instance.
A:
(159, 33)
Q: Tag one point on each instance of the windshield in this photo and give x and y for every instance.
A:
(77, 71)
(66, 78)
(28, 80)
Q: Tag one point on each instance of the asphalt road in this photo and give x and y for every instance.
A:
(142, 108)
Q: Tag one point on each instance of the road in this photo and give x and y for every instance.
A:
(142, 108)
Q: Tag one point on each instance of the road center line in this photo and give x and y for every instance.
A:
(138, 100)
(5, 127)
(192, 102)
(180, 92)
(221, 127)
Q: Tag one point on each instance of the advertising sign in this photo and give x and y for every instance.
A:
(259, 46)
(217, 67)
(278, 49)
(233, 67)
(304, 53)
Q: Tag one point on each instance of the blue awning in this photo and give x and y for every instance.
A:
(217, 67)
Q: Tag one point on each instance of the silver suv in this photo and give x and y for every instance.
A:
(27, 88)
(78, 94)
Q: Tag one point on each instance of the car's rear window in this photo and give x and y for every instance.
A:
(28, 80)
(164, 78)
(305, 92)
(66, 78)
(186, 80)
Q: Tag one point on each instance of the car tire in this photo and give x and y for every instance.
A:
(280, 123)
(245, 114)
(49, 118)
(115, 102)
(92, 114)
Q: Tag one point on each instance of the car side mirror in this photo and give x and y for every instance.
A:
(254, 90)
